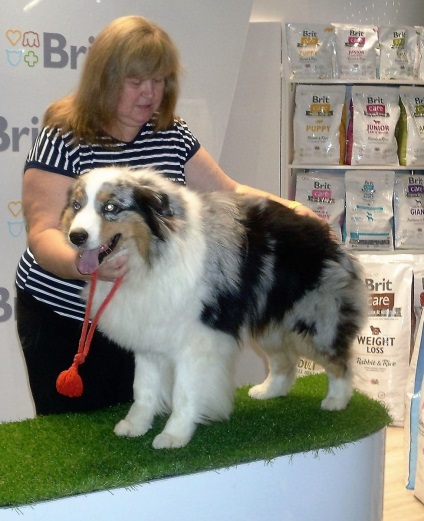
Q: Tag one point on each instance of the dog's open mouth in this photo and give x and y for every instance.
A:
(90, 260)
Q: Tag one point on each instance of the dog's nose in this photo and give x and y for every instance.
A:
(78, 237)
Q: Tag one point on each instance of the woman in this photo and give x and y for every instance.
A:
(122, 114)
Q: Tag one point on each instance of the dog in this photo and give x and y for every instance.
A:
(206, 272)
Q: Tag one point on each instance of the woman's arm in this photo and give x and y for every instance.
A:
(44, 198)
(204, 175)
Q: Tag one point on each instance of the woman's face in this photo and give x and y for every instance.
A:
(138, 101)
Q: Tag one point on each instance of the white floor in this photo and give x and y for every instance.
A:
(399, 503)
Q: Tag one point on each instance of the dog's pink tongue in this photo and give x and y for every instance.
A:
(89, 261)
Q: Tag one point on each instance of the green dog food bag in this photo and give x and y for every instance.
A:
(410, 128)
(398, 52)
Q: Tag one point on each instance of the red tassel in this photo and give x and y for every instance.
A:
(69, 383)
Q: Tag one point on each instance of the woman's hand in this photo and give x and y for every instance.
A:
(204, 175)
(301, 209)
(114, 266)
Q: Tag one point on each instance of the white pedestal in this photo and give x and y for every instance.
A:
(341, 484)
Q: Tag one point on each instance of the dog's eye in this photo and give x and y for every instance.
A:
(76, 205)
(111, 208)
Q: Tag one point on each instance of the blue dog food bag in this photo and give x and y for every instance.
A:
(369, 209)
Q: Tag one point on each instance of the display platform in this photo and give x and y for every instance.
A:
(346, 483)
(284, 458)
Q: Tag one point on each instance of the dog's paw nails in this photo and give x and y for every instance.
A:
(125, 428)
(167, 441)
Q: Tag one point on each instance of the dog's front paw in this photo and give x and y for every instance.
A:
(259, 392)
(169, 441)
(127, 428)
(266, 390)
(271, 387)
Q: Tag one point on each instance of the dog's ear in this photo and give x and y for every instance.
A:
(163, 205)
(158, 202)
(155, 208)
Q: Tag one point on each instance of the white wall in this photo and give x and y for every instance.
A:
(323, 11)
(251, 148)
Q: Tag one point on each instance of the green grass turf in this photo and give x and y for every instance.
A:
(56, 456)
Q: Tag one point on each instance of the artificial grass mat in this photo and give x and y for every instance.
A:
(56, 456)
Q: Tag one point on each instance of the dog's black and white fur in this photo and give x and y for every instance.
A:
(206, 271)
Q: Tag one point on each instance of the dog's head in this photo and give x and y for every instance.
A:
(108, 206)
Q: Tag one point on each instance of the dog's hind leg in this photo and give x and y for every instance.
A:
(340, 388)
(282, 369)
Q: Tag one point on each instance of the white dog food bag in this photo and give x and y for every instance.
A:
(398, 52)
(410, 128)
(324, 193)
(310, 50)
(356, 51)
(382, 348)
(408, 204)
(374, 114)
(419, 70)
(369, 210)
(319, 130)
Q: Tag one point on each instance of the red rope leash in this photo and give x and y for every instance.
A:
(69, 382)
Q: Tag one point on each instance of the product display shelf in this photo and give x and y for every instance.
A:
(292, 169)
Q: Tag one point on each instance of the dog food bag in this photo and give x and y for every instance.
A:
(398, 52)
(401, 132)
(418, 287)
(374, 114)
(356, 51)
(419, 473)
(318, 126)
(419, 72)
(310, 50)
(324, 193)
(381, 350)
(369, 210)
(408, 204)
(410, 128)
(306, 367)
(412, 412)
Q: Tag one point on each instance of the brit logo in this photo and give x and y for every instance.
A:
(24, 47)
(49, 50)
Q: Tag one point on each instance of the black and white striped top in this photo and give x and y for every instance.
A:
(166, 150)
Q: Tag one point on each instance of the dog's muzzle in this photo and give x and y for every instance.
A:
(90, 259)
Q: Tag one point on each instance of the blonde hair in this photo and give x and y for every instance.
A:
(128, 47)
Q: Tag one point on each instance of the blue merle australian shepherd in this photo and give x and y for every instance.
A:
(206, 272)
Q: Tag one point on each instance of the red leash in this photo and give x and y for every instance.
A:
(69, 382)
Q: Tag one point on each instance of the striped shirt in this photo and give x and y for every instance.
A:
(168, 151)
